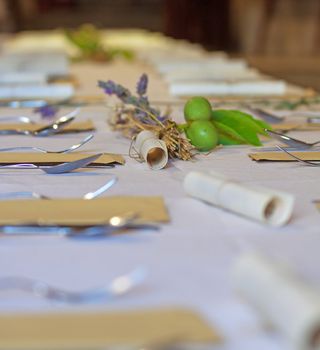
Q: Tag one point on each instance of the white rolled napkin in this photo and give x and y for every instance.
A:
(243, 88)
(47, 91)
(286, 301)
(257, 203)
(151, 149)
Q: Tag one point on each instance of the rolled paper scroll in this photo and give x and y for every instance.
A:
(258, 203)
(287, 302)
(151, 149)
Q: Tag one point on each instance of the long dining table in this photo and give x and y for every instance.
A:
(189, 260)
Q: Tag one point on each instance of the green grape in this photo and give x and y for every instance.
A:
(202, 134)
(197, 108)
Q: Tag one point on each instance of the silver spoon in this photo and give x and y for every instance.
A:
(88, 196)
(47, 130)
(42, 150)
(308, 162)
(117, 286)
(290, 141)
(55, 169)
(115, 223)
(21, 119)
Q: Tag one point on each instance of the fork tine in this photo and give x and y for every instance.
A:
(297, 158)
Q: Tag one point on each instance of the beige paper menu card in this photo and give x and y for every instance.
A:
(57, 158)
(81, 212)
(134, 329)
(86, 125)
(284, 157)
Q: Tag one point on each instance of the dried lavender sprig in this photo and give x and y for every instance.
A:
(47, 111)
(142, 85)
(143, 108)
(111, 88)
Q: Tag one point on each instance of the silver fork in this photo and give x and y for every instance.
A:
(116, 287)
(290, 141)
(56, 169)
(47, 130)
(28, 194)
(308, 162)
(42, 150)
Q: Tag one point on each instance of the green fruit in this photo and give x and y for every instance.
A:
(228, 136)
(202, 134)
(197, 108)
(241, 123)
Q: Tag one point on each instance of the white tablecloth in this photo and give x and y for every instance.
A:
(190, 259)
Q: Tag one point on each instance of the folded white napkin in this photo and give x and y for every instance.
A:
(258, 203)
(212, 63)
(253, 88)
(48, 91)
(19, 78)
(204, 74)
(286, 301)
(49, 63)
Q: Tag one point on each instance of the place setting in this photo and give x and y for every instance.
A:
(150, 187)
(28, 127)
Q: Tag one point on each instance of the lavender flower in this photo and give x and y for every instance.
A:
(143, 110)
(47, 111)
(142, 85)
(111, 88)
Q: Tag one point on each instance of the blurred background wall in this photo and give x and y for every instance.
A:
(281, 37)
(246, 26)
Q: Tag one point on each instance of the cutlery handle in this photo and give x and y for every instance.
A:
(15, 132)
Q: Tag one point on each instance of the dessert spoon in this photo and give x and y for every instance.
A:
(55, 169)
(42, 150)
(47, 130)
(29, 194)
(21, 119)
(117, 286)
